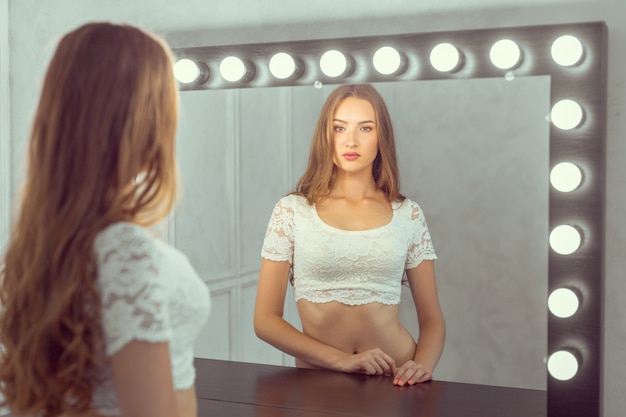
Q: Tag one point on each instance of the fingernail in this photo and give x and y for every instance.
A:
(410, 381)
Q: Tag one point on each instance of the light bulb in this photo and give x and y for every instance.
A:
(445, 57)
(505, 54)
(387, 60)
(567, 51)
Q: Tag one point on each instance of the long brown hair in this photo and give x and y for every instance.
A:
(101, 150)
(319, 176)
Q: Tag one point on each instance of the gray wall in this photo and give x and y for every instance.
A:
(33, 26)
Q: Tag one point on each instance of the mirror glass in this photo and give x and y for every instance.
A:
(473, 153)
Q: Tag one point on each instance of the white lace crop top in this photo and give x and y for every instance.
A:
(150, 292)
(352, 267)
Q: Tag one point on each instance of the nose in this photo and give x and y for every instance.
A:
(350, 139)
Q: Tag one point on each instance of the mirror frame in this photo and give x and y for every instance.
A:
(584, 145)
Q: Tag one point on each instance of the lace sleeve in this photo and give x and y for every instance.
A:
(421, 247)
(133, 294)
(279, 237)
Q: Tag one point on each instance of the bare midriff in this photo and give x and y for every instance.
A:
(355, 329)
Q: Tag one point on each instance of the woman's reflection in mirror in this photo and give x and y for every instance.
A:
(347, 239)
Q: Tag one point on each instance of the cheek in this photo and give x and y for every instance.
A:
(337, 156)
(374, 146)
(337, 146)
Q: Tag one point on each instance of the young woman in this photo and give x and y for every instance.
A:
(99, 316)
(345, 238)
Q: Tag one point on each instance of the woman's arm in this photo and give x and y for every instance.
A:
(270, 326)
(432, 329)
(143, 380)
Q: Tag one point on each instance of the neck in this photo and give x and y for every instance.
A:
(354, 186)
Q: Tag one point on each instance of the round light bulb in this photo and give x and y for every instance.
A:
(563, 302)
(232, 69)
(567, 50)
(565, 177)
(562, 365)
(186, 71)
(333, 63)
(565, 239)
(282, 65)
(445, 57)
(387, 60)
(505, 54)
(566, 114)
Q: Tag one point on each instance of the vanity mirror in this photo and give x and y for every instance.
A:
(567, 63)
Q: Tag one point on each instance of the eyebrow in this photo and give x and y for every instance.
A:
(363, 122)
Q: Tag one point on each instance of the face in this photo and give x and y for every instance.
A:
(354, 135)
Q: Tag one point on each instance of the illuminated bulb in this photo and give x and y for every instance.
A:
(387, 60)
(505, 54)
(563, 302)
(566, 177)
(565, 239)
(567, 50)
(232, 69)
(566, 114)
(562, 365)
(282, 65)
(186, 71)
(333, 63)
(445, 57)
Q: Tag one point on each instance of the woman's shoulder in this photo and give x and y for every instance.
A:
(124, 230)
(410, 208)
(406, 204)
(124, 236)
(128, 256)
(293, 200)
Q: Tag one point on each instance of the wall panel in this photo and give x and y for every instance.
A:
(216, 338)
(206, 218)
(264, 144)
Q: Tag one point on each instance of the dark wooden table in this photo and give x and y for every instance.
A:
(241, 389)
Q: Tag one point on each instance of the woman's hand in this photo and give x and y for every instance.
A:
(411, 373)
(370, 362)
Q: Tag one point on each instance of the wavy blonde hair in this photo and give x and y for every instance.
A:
(319, 176)
(101, 150)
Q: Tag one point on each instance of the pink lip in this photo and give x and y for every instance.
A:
(351, 156)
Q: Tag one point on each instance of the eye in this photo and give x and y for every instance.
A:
(339, 128)
(366, 128)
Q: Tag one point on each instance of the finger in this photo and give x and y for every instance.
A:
(378, 365)
(405, 372)
(371, 367)
(426, 377)
(411, 373)
(401, 379)
(414, 376)
(420, 376)
(399, 382)
(383, 364)
(389, 362)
